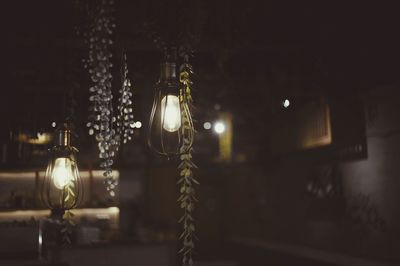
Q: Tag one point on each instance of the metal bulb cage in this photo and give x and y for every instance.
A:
(61, 188)
(170, 131)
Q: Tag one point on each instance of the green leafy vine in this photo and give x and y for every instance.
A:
(67, 223)
(187, 180)
(67, 227)
(70, 196)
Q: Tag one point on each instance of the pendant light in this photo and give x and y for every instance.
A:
(170, 129)
(62, 188)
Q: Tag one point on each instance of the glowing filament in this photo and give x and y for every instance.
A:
(170, 113)
(62, 172)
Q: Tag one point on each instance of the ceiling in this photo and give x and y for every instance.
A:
(248, 54)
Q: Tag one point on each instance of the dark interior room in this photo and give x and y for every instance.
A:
(200, 133)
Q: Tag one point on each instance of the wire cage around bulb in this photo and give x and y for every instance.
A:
(170, 131)
(62, 188)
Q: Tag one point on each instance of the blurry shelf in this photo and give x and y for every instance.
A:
(5, 210)
(110, 213)
(19, 190)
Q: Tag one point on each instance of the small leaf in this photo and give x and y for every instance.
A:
(188, 173)
(67, 198)
(182, 164)
(183, 188)
(181, 250)
(193, 165)
(183, 172)
(180, 197)
(71, 191)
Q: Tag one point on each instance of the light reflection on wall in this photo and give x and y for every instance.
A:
(40, 139)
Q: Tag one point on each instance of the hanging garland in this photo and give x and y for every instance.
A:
(67, 227)
(187, 181)
(125, 122)
(99, 65)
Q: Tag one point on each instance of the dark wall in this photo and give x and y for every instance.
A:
(362, 218)
(272, 202)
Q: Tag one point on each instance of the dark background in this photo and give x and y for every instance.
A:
(248, 57)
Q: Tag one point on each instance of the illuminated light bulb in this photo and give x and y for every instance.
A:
(170, 113)
(170, 128)
(62, 173)
(219, 127)
(61, 187)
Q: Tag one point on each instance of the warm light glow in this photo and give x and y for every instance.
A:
(62, 173)
(219, 127)
(40, 239)
(40, 139)
(170, 113)
(286, 103)
(207, 125)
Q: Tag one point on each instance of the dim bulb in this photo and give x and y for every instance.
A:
(63, 173)
(170, 113)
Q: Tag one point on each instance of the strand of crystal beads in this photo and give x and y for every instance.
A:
(125, 122)
(99, 65)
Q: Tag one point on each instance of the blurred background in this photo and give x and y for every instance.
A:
(297, 143)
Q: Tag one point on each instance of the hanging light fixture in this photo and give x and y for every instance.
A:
(61, 187)
(170, 129)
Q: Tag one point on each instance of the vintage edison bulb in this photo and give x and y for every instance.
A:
(170, 129)
(61, 187)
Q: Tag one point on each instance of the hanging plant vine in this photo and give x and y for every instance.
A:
(101, 119)
(187, 180)
(67, 226)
